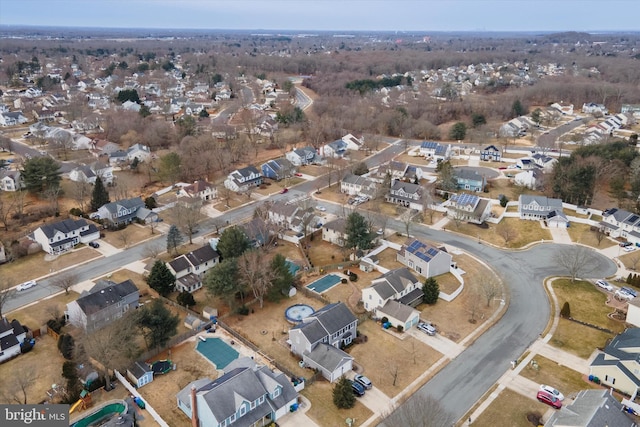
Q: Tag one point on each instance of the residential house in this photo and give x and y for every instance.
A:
(303, 156)
(319, 337)
(557, 219)
(428, 148)
(140, 374)
(593, 108)
(399, 315)
(544, 162)
(405, 194)
(102, 147)
(243, 179)
(13, 118)
(526, 163)
(618, 366)
(63, 235)
(290, 216)
(532, 179)
(105, 302)
(121, 212)
(592, 408)
(257, 231)
(334, 231)
(537, 207)
(355, 185)
(190, 268)
(12, 335)
(491, 154)
(89, 173)
(140, 152)
(336, 148)
(633, 312)
(469, 179)
(200, 189)
(11, 180)
(621, 223)
(243, 396)
(118, 157)
(277, 169)
(425, 259)
(398, 285)
(468, 208)
(353, 143)
(514, 128)
(564, 109)
(632, 109)
(396, 170)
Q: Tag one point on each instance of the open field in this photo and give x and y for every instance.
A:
(33, 266)
(510, 409)
(524, 232)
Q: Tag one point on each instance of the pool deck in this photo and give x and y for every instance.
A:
(340, 276)
(87, 413)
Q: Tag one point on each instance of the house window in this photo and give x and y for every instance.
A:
(232, 418)
(243, 410)
(276, 392)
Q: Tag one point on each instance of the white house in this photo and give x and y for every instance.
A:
(425, 259)
(121, 212)
(469, 208)
(537, 207)
(12, 334)
(621, 223)
(532, 179)
(405, 194)
(139, 151)
(303, 156)
(13, 118)
(353, 143)
(593, 108)
(189, 269)
(334, 231)
(243, 179)
(434, 150)
(355, 185)
(200, 189)
(544, 162)
(62, 236)
(336, 148)
(388, 293)
(618, 366)
(11, 180)
(89, 173)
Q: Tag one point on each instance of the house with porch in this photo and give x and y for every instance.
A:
(469, 179)
(425, 259)
(200, 189)
(244, 396)
(618, 366)
(336, 148)
(303, 156)
(319, 337)
(189, 269)
(62, 236)
(491, 154)
(537, 207)
(399, 286)
(121, 212)
(243, 179)
(405, 194)
(105, 302)
(278, 169)
(12, 335)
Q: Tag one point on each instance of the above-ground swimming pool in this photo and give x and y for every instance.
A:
(297, 312)
(325, 283)
(217, 351)
(102, 414)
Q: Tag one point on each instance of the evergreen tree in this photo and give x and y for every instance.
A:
(478, 120)
(517, 109)
(161, 279)
(566, 310)
(357, 231)
(40, 174)
(186, 299)
(66, 345)
(343, 396)
(283, 279)
(174, 239)
(431, 291)
(156, 323)
(99, 196)
(233, 242)
(458, 131)
(222, 280)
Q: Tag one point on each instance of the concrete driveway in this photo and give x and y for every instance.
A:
(439, 343)
(374, 399)
(106, 249)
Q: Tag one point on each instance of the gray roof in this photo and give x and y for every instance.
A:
(420, 249)
(591, 408)
(408, 187)
(328, 356)
(546, 202)
(337, 225)
(112, 294)
(139, 369)
(392, 282)
(64, 226)
(201, 255)
(397, 310)
(247, 171)
(132, 203)
(468, 174)
(326, 321)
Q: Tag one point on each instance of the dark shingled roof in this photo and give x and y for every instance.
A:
(64, 226)
(105, 297)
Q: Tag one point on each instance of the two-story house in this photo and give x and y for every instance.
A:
(12, 335)
(243, 396)
(63, 235)
(355, 185)
(621, 223)
(469, 179)
(491, 154)
(139, 151)
(190, 268)
(200, 189)
(336, 148)
(618, 366)
(537, 207)
(425, 259)
(532, 179)
(243, 179)
(11, 180)
(102, 304)
(468, 208)
(435, 151)
(89, 173)
(121, 212)
(393, 295)
(334, 231)
(303, 156)
(592, 408)
(278, 169)
(291, 217)
(544, 162)
(319, 337)
(405, 194)
(394, 169)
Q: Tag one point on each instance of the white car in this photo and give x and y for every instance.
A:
(427, 328)
(321, 208)
(604, 285)
(26, 285)
(621, 294)
(552, 391)
(629, 248)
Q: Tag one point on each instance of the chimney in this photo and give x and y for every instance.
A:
(194, 408)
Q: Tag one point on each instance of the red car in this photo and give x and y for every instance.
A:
(297, 174)
(284, 190)
(549, 399)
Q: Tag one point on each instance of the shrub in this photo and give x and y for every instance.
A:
(343, 281)
(243, 310)
(503, 201)
(66, 345)
(186, 299)
(399, 328)
(75, 212)
(385, 319)
(566, 310)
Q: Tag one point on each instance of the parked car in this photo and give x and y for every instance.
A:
(624, 244)
(630, 248)
(549, 399)
(321, 208)
(26, 285)
(297, 174)
(427, 328)
(604, 285)
(380, 232)
(629, 291)
(622, 294)
(551, 390)
(358, 389)
(363, 381)
(284, 190)
(94, 244)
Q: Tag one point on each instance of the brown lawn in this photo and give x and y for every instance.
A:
(333, 194)
(562, 378)
(138, 279)
(388, 258)
(581, 233)
(324, 412)
(324, 253)
(510, 409)
(33, 266)
(313, 170)
(525, 232)
(630, 260)
(36, 315)
(130, 236)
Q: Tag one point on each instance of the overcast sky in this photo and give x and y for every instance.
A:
(341, 15)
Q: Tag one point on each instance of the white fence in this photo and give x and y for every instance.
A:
(147, 407)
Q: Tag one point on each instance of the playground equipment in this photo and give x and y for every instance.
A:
(83, 403)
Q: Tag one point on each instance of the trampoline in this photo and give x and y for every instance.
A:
(217, 352)
(325, 283)
(161, 367)
(297, 312)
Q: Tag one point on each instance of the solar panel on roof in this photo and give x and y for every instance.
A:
(633, 218)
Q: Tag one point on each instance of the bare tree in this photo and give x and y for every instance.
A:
(63, 142)
(506, 231)
(190, 215)
(19, 384)
(253, 267)
(65, 281)
(490, 287)
(81, 193)
(152, 251)
(473, 306)
(52, 194)
(419, 410)
(123, 235)
(19, 198)
(576, 260)
(407, 218)
(6, 207)
(600, 235)
(6, 294)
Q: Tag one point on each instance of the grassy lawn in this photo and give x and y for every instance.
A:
(525, 232)
(324, 412)
(578, 339)
(137, 278)
(581, 233)
(510, 409)
(33, 266)
(133, 234)
(324, 253)
(630, 260)
(388, 259)
(333, 194)
(562, 378)
(313, 170)
(37, 315)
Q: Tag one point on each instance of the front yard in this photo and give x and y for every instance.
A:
(127, 237)
(510, 409)
(521, 232)
(582, 233)
(568, 381)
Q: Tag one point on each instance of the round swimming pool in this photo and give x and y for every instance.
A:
(102, 414)
(297, 312)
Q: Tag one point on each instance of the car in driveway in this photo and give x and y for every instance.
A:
(358, 389)
(427, 328)
(552, 391)
(297, 174)
(26, 285)
(321, 208)
(604, 285)
(630, 248)
(363, 381)
(625, 294)
(284, 190)
(94, 244)
(624, 244)
(549, 399)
